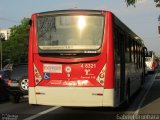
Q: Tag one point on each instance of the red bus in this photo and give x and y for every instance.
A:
(83, 58)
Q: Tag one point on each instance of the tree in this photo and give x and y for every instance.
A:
(130, 2)
(15, 49)
(133, 2)
(157, 3)
(2, 37)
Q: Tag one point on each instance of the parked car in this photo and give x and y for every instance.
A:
(4, 76)
(18, 83)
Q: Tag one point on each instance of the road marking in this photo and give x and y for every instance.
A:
(144, 97)
(42, 113)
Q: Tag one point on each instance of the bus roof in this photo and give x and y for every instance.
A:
(127, 29)
(87, 11)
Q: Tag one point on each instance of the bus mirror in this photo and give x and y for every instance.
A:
(30, 22)
(145, 50)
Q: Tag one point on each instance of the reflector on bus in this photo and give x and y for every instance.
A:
(37, 75)
(101, 76)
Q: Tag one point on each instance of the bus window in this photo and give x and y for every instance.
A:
(68, 32)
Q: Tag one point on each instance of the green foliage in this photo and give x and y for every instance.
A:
(15, 49)
(133, 2)
(130, 2)
(2, 37)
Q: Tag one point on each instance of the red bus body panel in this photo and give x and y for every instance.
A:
(110, 71)
(78, 65)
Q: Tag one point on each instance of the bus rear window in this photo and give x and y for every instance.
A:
(70, 32)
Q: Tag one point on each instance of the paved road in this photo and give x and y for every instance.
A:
(146, 102)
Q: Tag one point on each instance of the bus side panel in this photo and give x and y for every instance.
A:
(109, 83)
(30, 55)
(108, 98)
(32, 97)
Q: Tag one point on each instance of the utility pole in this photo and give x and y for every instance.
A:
(1, 55)
(159, 26)
(1, 39)
(1, 47)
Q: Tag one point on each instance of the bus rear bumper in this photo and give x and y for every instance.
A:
(71, 96)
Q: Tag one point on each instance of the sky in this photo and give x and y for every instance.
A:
(142, 19)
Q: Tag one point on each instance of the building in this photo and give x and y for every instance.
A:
(5, 33)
